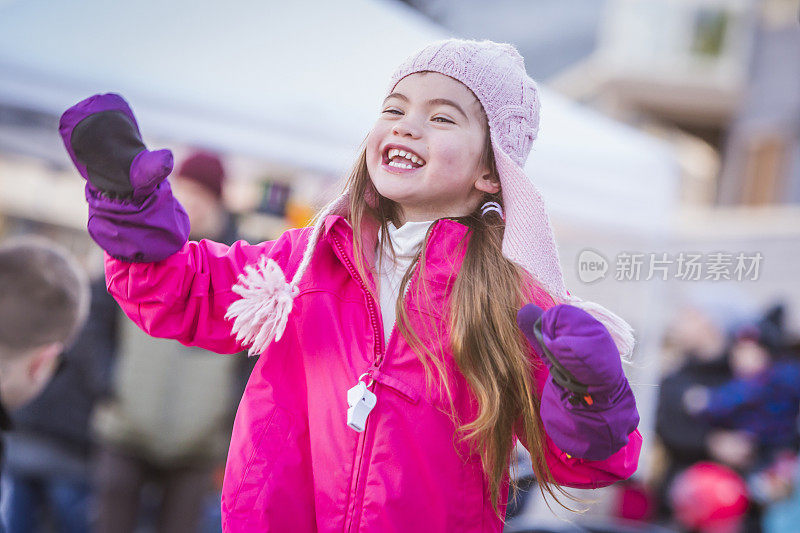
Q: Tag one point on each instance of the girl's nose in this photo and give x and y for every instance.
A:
(406, 126)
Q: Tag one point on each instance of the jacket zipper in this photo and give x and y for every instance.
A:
(379, 347)
(370, 300)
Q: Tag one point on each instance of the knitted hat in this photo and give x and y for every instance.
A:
(495, 73)
(206, 169)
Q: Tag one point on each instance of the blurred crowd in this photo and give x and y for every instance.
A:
(727, 418)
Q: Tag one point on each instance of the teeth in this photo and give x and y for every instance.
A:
(399, 165)
(408, 155)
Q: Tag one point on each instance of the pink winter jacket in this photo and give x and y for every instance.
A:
(294, 464)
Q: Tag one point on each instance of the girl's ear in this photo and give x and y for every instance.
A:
(488, 183)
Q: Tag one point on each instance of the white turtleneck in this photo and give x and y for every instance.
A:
(406, 240)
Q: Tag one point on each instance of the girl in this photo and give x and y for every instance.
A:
(350, 421)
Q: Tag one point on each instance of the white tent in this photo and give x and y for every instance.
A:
(298, 83)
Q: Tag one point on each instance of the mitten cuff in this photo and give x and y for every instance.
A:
(143, 230)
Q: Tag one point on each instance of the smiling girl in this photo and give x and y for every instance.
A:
(402, 342)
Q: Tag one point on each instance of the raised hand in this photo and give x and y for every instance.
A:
(132, 212)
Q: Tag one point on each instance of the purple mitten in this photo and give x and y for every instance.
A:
(132, 212)
(587, 406)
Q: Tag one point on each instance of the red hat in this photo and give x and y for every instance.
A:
(206, 169)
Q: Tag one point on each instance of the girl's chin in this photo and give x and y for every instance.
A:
(396, 192)
(391, 193)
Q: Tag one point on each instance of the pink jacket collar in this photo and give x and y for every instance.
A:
(444, 252)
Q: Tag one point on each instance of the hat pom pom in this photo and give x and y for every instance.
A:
(262, 312)
(620, 331)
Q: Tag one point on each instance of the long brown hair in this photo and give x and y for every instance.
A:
(489, 349)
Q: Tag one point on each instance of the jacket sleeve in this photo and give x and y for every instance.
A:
(185, 296)
(572, 471)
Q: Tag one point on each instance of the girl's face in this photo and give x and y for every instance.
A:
(438, 121)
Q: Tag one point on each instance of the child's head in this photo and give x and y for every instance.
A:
(756, 344)
(748, 357)
(469, 113)
(692, 332)
(198, 185)
(706, 318)
(44, 299)
(429, 149)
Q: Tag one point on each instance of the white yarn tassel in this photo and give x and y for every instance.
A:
(620, 331)
(262, 312)
(267, 298)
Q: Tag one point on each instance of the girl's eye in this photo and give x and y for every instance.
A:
(395, 111)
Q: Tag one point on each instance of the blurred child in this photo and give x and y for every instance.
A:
(46, 472)
(44, 300)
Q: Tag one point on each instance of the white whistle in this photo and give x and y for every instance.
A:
(361, 401)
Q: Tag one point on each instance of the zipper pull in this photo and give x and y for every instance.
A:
(361, 401)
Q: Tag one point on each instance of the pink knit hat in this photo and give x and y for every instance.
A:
(495, 73)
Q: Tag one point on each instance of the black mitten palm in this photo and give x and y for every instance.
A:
(107, 143)
(103, 139)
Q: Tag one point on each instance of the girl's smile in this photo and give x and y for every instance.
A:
(401, 159)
